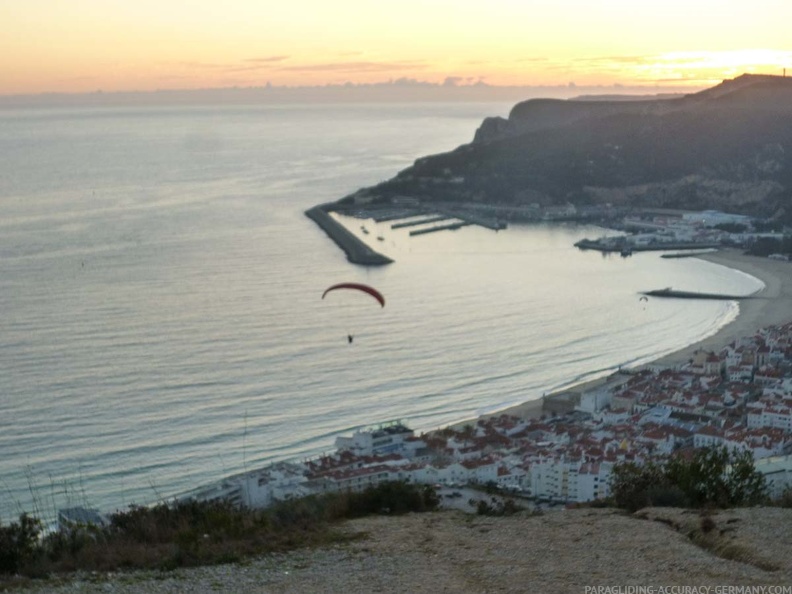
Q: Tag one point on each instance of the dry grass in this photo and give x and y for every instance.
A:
(191, 533)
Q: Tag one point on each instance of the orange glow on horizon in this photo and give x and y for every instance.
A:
(52, 46)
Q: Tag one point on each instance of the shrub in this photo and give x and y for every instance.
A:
(667, 496)
(711, 477)
(718, 477)
(496, 507)
(19, 544)
(393, 498)
(633, 484)
(189, 533)
(786, 498)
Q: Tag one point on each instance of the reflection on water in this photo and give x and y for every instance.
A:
(162, 316)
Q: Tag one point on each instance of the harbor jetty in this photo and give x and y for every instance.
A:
(620, 244)
(356, 250)
(412, 215)
(691, 254)
(669, 292)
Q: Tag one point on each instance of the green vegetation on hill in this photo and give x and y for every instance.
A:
(709, 477)
(194, 533)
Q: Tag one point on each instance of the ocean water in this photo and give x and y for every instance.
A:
(161, 320)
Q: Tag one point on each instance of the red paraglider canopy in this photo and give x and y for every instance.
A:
(360, 287)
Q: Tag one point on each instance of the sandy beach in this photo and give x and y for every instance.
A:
(770, 306)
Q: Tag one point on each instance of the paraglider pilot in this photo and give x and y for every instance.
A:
(365, 288)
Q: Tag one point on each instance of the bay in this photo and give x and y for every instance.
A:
(160, 288)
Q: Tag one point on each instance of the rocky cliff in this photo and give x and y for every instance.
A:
(728, 147)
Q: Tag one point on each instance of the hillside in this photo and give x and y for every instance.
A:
(727, 148)
(558, 552)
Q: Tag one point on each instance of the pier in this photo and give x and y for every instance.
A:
(450, 226)
(356, 251)
(687, 254)
(622, 246)
(416, 222)
(692, 295)
(469, 217)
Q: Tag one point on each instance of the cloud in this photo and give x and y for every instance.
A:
(201, 65)
(78, 79)
(452, 81)
(409, 82)
(539, 59)
(249, 65)
(683, 65)
(268, 60)
(254, 68)
(616, 60)
(356, 67)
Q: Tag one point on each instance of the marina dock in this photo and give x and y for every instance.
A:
(358, 252)
(450, 226)
(416, 222)
(471, 218)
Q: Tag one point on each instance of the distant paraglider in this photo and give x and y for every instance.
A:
(359, 287)
(644, 298)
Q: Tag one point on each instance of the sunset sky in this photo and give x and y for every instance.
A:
(114, 45)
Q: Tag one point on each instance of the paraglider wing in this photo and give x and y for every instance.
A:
(360, 287)
(644, 298)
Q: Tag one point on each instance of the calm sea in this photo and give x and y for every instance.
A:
(160, 289)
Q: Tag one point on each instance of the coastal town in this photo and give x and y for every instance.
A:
(563, 450)
(739, 397)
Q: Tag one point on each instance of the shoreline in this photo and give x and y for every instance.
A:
(771, 306)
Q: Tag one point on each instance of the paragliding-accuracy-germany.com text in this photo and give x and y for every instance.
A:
(687, 590)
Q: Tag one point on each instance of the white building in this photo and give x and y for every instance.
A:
(594, 481)
(598, 398)
(777, 471)
(275, 483)
(383, 439)
(778, 416)
(710, 218)
(572, 481)
(708, 436)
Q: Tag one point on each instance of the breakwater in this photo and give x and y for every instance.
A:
(692, 295)
(611, 245)
(687, 254)
(356, 251)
